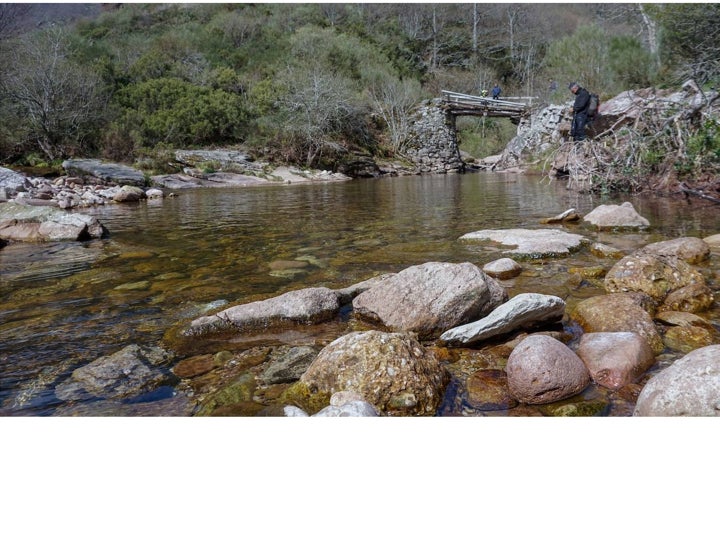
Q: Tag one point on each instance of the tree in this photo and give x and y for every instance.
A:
(315, 107)
(394, 100)
(177, 112)
(55, 104)
(691, 39)
(581, 57)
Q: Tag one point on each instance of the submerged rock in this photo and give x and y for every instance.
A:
(430, 298)
(487, 390)
(130, 372)
(688, 338)
(304, 306)
(287, 364)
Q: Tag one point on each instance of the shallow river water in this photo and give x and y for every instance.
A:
(63, 305)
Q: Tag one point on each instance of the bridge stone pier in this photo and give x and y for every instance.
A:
(432, 143)
(433, 146)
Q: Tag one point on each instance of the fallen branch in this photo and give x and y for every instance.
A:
(697, 193)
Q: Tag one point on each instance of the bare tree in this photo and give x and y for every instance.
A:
(55, 102)
(394, 100)
(316, 107)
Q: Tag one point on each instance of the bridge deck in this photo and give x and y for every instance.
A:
(467, 105)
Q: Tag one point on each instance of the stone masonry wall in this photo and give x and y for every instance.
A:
(433, 146)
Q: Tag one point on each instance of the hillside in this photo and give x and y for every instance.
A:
(314, 85)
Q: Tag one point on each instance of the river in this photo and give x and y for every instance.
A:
(63, 305)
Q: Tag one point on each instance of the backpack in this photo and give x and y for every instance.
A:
(593, 106)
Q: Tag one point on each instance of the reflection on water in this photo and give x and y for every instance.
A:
(63, 305)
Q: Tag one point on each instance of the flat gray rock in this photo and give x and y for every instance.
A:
(219, 180)
(520, 311)
(531, 242)
(304, 306)
(108, 172)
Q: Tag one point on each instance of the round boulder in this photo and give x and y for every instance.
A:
(504, 268)
(392, 371)
(689, 387)
(615, 359)
(541, 369)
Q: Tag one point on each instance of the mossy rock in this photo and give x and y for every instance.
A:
(239, 390)
(582, 408)
(243, 408)
(300, 395)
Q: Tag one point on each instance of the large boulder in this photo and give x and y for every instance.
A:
(615, 359)
(532, 243)
(130, 372)
(92, 170)
(430, 298)
(689, 387)
(392, 371)
(608, 216)
(46, 224)
(129, 194)
(523, 310)
(304, 306)
(347, 294)
(620, 312)
(541, 369)
(672, 283)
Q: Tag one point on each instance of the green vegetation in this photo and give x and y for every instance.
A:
(312, 83)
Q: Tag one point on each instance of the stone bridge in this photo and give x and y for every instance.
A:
(433, 145)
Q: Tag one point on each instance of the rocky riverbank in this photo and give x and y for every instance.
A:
(442, 338)
(434, 338)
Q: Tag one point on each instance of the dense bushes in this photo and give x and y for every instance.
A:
(176, 112)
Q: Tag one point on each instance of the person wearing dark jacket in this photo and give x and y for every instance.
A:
(580, 111)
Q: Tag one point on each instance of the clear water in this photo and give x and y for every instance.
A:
(63, 305)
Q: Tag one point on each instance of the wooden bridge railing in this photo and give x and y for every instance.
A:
(468, 105)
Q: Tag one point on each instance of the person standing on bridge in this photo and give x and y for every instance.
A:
(579, 110)
(496, 91)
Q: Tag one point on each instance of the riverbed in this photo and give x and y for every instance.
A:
(63, 305)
